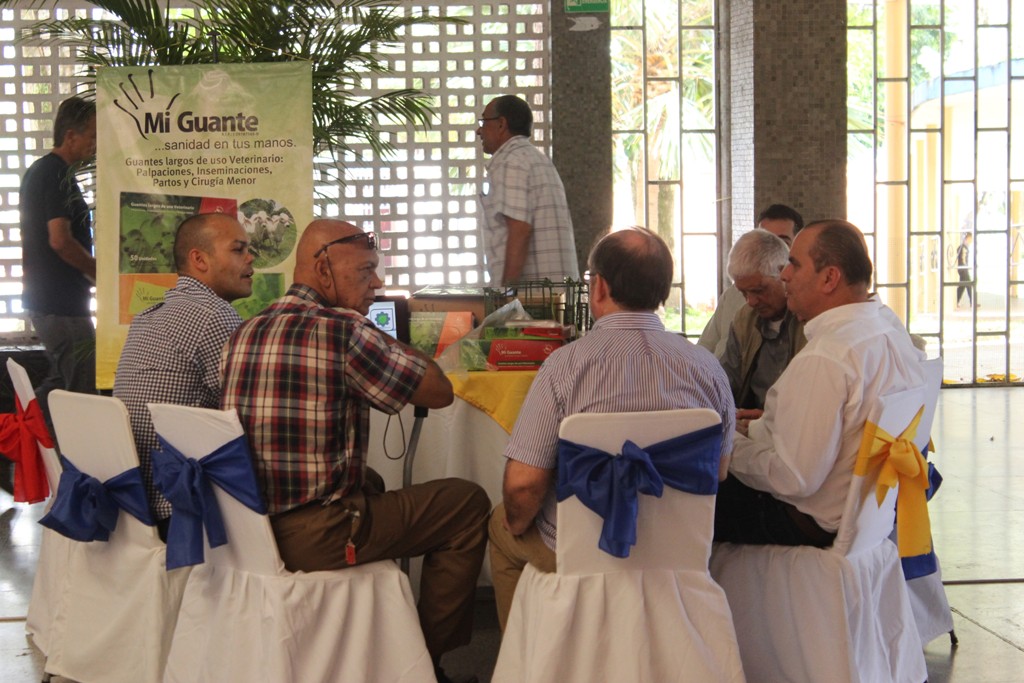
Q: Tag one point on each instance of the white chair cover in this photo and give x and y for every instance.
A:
(927, 595)
(119, 604)
(930, 605)
(53, 548)
(654, 616)
(244, 617)
(840, 614)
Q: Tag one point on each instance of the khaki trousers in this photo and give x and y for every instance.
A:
(509, 555)
(445, 521)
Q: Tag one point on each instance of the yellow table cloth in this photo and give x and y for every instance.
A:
(499, 394)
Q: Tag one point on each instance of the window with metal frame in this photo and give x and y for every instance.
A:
(936, 139)
(665, 133)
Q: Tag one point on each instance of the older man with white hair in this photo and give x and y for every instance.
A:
(764, 336)
(778, 219)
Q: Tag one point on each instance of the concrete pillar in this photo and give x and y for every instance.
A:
(581, 122)
(787, 91)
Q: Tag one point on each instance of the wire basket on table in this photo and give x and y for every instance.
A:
(566, 302)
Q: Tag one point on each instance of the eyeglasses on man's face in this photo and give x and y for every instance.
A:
(370, 237)
(484, 119)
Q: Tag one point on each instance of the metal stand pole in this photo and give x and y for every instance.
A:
(410, 455)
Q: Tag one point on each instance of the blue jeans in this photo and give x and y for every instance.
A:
(70, 344)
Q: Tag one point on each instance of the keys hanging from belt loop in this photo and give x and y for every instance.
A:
(350, 547)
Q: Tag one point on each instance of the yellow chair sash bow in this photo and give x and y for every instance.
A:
(900, 461)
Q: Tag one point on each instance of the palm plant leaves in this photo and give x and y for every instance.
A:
(343, 41)
(662, 103)
(651, 112)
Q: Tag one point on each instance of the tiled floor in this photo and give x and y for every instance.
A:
(977, 520)
(978, 527)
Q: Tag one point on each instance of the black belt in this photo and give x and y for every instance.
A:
(809, 528)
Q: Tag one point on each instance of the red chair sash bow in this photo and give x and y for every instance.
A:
(19, 434)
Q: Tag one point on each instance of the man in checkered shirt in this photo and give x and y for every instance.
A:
(172, 353)
(303, 375)
(527, 229)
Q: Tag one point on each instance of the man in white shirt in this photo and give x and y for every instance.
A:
(791, 468)
(782, 221)
(527, 230)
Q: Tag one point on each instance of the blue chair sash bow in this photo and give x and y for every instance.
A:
(186, 483)
(609, 485)
(86, 509)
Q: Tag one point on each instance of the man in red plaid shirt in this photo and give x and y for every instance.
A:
(303, 375)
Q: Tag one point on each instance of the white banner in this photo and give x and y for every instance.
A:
(178, 140)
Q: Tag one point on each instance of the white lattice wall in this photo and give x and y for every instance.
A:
(34, 81)
(423, 201)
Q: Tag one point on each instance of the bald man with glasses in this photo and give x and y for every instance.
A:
(303, 375)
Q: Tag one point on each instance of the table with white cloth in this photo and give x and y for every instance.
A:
(465, 440)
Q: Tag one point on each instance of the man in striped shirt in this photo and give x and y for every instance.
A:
(303, 375)
(526, 226)
(627, 363)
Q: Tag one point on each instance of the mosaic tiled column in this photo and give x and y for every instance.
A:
(788, 108)
(581, 120)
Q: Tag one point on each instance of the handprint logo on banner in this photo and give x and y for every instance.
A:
(147, 115)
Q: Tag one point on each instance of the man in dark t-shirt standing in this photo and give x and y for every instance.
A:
(58, 266)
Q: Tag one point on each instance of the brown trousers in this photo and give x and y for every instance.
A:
(509, 555)
(443, 520)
